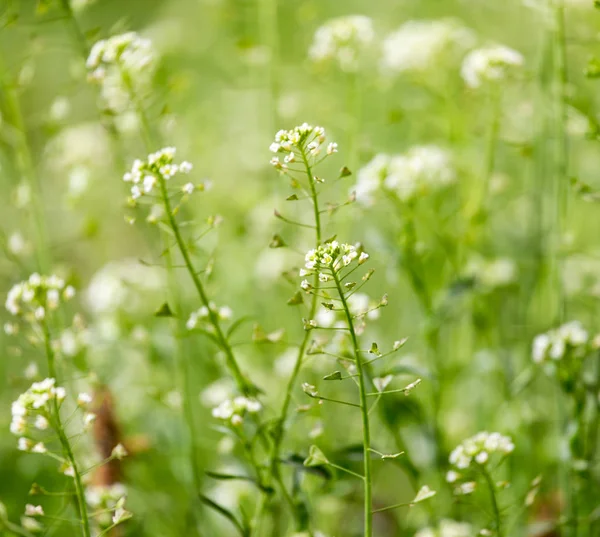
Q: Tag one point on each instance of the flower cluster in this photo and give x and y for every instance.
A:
(420, 170)
(122, 64)
(158, 166)
(447, 528)
(343, 40)
(473, 452)
(491, 274)
(233, 410)
(570, 339)
(331, 256)
(223, 313)
(489, 64)
(33, 298)
(305, 139)
(104, 499)
(33, 407)
(421, 45)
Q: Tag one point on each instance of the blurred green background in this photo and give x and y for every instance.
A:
(231, 73)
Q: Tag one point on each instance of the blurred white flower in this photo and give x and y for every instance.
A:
(489, 64)
(420, 45)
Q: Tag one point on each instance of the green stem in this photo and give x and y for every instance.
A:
(285, 407)
(364, 410)
(64, 441)
(26, 167)
(494, 501)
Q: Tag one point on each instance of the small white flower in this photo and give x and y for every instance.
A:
(188, 188)
(34, 510)
(119, 452)
(41, 422)
(84, 399)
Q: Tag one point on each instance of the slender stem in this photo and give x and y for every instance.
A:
(64, 441)
(26, 167)
(285, 407)
(494, 501)
(364, 410)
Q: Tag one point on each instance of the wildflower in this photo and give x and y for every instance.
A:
(424, 44)
(305, 139)
(329, 257)
(121, 64)
(420, 170)
(223, 313)
(570, 339)
(33, 298)
(233, 410)
(84, 399)
(343, 40)
(475, 452)
(144, 175)
(34, 510)
(489, 64)
(119, 452)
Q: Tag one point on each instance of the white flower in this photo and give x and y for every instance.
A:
(34, 510)
(41, 422)
(424, 44)
(569, 339)
(119, 452)
(33, 297)
(448, 528)
(343, 40)
(489, 64)
(188, 188)
(84, 399)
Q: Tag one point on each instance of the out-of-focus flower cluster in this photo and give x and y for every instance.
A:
(159, 165)
(33, 298)
(233, 411)
(421, 45)
(568, 340)
(32, 408)
(331, 256)
(202, 315)
(491, 274)
(123, 64)
(420, 170)
(104, 499)
(489, 64)
(447, 528)
(304, 139)
(476, 452)
(343, 40)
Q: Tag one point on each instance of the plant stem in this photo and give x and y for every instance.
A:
(364, 410)
(283, 414)
(494, 501)
(64, 441)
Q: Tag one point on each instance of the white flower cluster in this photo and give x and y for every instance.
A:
(489, 64)
(104, 499)
(420, 170)
(491, 274)
(233, 410)
(476, 450)
(447, 528)
(424, 44)
(159, 165)
(305, 139)
(36, 296)
(122, 63)
(570, 339)
(33, 407)
(331, 256)
(223, 313)
(343, 40)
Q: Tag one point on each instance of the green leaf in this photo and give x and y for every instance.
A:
(315, 457)
(293, 197)
(238, 477)
(424, 494)
(243, 531)
(298, 462)
(164, 311)
(336, 375)
(296, 300)
(374, 349)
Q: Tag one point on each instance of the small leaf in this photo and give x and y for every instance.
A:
(424, 494)
(345, 172)
(391, 456)
(315, 457)
(368, 275)
(293, 197)
(277, 242)
(336, 375)
(296, 299)
(350, 285)
(327, 305)
(164, 311)
(244, 532)
(298, 462)
(400, 343)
